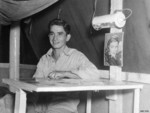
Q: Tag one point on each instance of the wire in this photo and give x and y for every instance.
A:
(126, 9)
(58, 16)
(95, 2)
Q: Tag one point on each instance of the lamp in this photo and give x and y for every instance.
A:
(117, 19)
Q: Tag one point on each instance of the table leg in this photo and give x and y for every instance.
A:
(88, 103)
(136, 101)
(20, 102)
(115, 101)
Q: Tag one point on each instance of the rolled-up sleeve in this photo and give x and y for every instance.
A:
(39, 71)
(86, 69)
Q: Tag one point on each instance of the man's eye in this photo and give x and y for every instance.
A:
(60, 33)
(50, 34)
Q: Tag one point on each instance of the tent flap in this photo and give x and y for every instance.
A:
(14, 10)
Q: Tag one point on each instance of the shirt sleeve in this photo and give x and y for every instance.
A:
(39, 71)
(86, 69)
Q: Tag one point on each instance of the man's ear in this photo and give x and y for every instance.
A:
(68, 37)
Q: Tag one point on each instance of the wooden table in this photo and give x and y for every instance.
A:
(67, 85)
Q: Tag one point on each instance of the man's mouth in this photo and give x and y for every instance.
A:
(55, 42)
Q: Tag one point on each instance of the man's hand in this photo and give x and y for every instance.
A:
(56, 75)
(62, 74)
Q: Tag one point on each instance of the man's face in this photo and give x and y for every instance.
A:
(58, 37)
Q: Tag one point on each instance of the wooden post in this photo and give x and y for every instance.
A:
(115, 102)
(14, 51)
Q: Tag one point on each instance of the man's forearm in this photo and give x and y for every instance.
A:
(71, 75)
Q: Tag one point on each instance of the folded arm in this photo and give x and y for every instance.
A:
(63, 74)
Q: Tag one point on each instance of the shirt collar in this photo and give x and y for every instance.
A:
(67, 51)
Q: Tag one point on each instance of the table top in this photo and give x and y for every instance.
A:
(66, 85)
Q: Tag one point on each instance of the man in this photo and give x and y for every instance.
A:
(64, 62)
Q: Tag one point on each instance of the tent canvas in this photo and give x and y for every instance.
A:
(79, 14)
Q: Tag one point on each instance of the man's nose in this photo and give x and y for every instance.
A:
(55, 37)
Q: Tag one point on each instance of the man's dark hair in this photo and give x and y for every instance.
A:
(60, 22)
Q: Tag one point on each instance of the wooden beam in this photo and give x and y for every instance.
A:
(115, 99)
(14, 51)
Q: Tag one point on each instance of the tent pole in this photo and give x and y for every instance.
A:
(116, 98)
(14, 51)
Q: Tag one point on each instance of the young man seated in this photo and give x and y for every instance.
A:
(64, 62)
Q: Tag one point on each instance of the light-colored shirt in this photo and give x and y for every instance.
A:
(70, 60)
